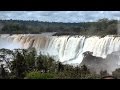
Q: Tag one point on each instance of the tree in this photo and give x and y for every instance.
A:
(3, 72)
(104, 73)
(18, 66)
(112, 29)
(116, 73)
(84, 70)
(92, 30)
(105, 20)
(60, 67)
(30, 58)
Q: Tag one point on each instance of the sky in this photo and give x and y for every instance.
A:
(59, 16)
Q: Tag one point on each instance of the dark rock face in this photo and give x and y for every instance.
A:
(97, 64)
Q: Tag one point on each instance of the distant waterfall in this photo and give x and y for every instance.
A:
(67, 49)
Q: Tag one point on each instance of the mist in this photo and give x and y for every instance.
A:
(7, 43)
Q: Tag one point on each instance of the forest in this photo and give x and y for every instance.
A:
(26, 64)
(100, 27)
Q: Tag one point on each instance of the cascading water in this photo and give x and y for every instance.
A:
(67, 49)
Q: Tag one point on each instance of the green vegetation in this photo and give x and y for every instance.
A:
(26, 64)
(101, 27)
(39, 75)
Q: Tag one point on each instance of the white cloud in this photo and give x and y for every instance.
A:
(59, 16)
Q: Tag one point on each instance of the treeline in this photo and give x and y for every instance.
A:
(101, 27)
(26, 64)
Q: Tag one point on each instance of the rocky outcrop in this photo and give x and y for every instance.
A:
(97, 64)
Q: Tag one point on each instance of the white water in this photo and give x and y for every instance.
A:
(68, 49)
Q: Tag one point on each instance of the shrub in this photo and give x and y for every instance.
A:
(39, 75)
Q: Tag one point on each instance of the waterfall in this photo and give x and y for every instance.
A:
(67, 49)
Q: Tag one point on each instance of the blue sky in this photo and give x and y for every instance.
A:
(59, 16)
